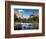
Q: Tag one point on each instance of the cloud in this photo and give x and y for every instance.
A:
(20, 10)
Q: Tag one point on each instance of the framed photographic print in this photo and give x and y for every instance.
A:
(24, 19)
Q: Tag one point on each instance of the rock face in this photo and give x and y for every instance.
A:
(19, 15)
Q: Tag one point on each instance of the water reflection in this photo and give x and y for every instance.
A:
(29, 26)
(26, 26)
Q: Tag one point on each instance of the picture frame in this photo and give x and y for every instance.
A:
(10, 5)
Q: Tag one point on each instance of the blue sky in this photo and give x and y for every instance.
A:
(27, 12)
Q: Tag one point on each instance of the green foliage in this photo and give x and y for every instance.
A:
(15, 17)
(33, 19)
(18, 27)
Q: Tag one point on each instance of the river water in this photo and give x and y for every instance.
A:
(26, 26)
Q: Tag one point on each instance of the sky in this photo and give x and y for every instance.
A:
(26, 12)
